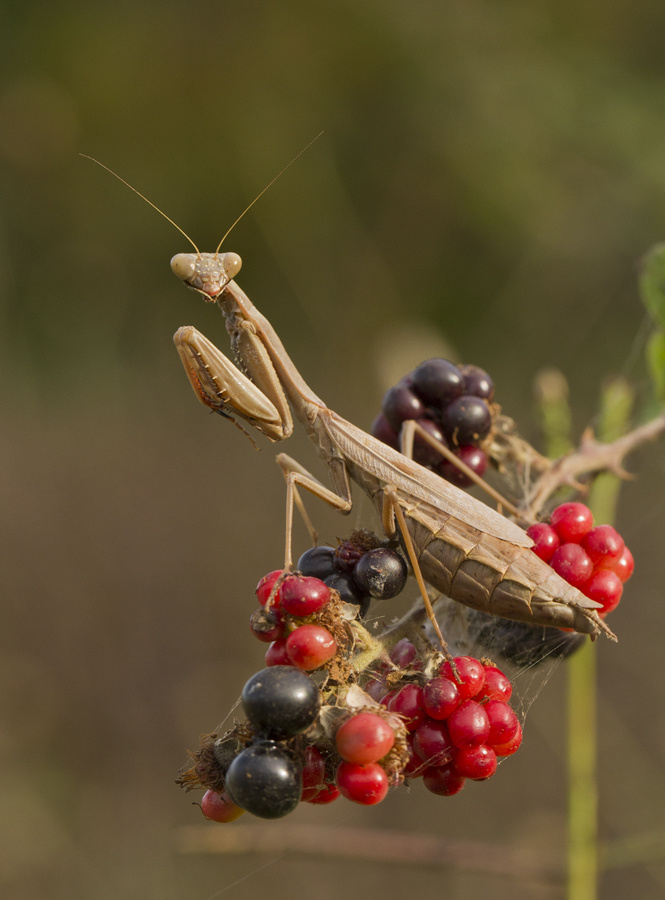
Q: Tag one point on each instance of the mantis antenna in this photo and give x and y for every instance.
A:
(175, 225)
(149, 202)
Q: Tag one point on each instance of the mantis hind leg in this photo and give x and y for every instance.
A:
(297, 476)
(393, 520)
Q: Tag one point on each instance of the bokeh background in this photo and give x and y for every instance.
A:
(489, 176)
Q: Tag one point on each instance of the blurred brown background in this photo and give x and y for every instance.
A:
(489, 176)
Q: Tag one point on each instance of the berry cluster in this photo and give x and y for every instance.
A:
(453, 404)
(594, 560)
(359, 569)
(458, 721)
(333, 716)
(299, 610)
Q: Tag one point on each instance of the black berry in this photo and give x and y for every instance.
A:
(467, 420)
(319, 562)
(265, 780)
(437, 382)
(381, 573)
(280, 701)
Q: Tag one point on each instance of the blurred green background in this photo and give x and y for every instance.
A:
(489, 175)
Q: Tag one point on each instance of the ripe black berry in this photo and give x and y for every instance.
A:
(319, 562)
(467, 420)
(477, 382)
(280, 701)
(425, 453)
(265, 780)
(437, 382)
(400, 403)
(381, 573)
(347, 588)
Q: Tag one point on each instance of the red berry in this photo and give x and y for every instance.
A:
(545, 540)
(364, 738)
(440, 697)
(310, 646)
(403, 653)
(313, 773)
(511, 746)
(408, 702)
(604, 587)
(276, 654)
(477, 763)
(468, 725)
(377, 690)
(503, 722)
(265, 586)
(624, 566)
(327, 794)
(414, 767)
(302, 595)
(497, 685)
(432, 743)
(573, 563)
(267, 625)
(571, 521)
(443, 780)
(470, 675)
(218, 806)
(366, 785)
(603, 544)
(475, 458)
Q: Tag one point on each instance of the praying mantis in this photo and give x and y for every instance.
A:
(455, 543)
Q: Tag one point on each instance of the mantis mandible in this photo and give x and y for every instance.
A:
(460, 546)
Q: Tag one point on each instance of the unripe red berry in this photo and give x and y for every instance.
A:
(440, 697)
(604, 587)
(408, 702)
(510, 746)
(310, 646)
(432, 743)
(265, 586)
(624, 566)
(403, 653)
(366, 785)
(327, 794)
(443, 780)
(468, 725)
(470, 675)
(313, 773)
(302, 595)
(477, 763)
(497, 685)
(545, 540)
(218, 806)
(603, 543)
(503, 722)
(276, 654)
(571, 521)
(364, 738)
(573, 564)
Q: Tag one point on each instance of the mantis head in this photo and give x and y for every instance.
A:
(207, 273)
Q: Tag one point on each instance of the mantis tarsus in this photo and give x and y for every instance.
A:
(463, 548)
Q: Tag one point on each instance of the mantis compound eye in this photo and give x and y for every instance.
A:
(231, 264)
(184, 265)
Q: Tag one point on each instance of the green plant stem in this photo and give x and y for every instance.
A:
(582, 776)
